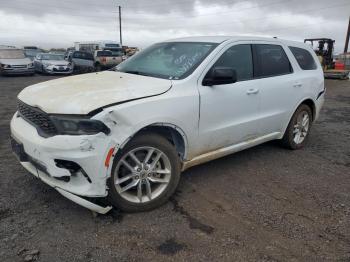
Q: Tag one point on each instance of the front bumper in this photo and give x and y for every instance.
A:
(60, 70)
(18, 71)
(88, 152)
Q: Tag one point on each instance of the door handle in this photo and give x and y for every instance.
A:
(252, 91)
(297, 85)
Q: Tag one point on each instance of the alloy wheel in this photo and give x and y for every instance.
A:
(142, 174)
(301, 127)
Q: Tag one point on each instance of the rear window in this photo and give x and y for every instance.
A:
(104, 53)
(271, 60)
(83, 55)
(304, 58)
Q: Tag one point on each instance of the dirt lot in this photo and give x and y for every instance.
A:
(262, 204)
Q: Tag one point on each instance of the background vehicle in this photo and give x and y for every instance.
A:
(107, 59)
(31, 53)
(130, 50)
(128, 133)
(325, 52)
(48, 63)
(14, 61)
(82, 62)
(92, 46)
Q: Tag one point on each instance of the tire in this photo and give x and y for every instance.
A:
(98, 67)
(161, 185)
(290, 138)
(43, 72)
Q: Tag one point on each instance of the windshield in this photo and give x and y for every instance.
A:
(170, 60)
(12, 54)
(52, 57)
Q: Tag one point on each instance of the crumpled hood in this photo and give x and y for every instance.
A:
(84, 93)
(19, 61)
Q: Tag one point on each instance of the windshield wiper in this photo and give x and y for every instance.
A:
(135, 72)
(131, 72)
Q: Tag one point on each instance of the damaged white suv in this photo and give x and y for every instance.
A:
(125, 135)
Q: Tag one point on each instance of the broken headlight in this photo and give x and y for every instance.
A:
(78, 126)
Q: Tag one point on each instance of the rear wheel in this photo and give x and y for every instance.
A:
(144, 174)
(298, 128)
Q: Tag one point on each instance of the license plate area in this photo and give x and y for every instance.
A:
(18, 150)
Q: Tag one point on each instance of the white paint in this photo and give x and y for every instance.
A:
(83, 93)
(214, 120)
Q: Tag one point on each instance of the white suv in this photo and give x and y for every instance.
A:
(128, 133)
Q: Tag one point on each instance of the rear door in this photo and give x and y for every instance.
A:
(76, 59)
(229, 113)
(279, 87)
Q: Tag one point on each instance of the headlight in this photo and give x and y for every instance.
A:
(30, 65)
(79, 126)
(5, 66)
(69, 64)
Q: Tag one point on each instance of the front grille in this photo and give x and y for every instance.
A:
(38, 118)
(19, 66)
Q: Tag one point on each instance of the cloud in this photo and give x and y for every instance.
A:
(52, 24)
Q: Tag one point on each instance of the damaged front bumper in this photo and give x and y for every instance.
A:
(73, 165)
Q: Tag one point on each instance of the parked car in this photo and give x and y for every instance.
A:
(129, 133)
(107, 59)
(32, 53)
(47, 63)
(13, 61)
(83, 62)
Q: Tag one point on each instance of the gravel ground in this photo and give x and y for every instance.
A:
(263, 204)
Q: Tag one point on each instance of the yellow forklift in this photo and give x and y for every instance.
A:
(324, 51)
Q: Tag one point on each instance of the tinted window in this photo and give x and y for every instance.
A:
(271, 60)
(76, 55)
(86, 56)
(104, 53)
(239, 58)
(304, 58)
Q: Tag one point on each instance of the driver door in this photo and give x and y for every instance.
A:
(229, 113)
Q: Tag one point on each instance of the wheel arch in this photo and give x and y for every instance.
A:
(174, 134)
(306, 101)
(310, 103)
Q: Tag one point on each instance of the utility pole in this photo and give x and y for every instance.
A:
(120, 26)
(347, 38)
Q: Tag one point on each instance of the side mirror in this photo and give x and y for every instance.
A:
(220, 76)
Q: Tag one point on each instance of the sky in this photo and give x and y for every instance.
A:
(52, 23)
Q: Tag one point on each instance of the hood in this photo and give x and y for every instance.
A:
(84, 93)
(17, 61)
(55, 62)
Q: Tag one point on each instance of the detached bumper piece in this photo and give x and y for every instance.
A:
(22, 156)
(83, 202)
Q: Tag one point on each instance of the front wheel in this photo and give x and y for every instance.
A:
(144, 174)
(298, 128)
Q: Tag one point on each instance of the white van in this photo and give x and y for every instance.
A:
(127, 134)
